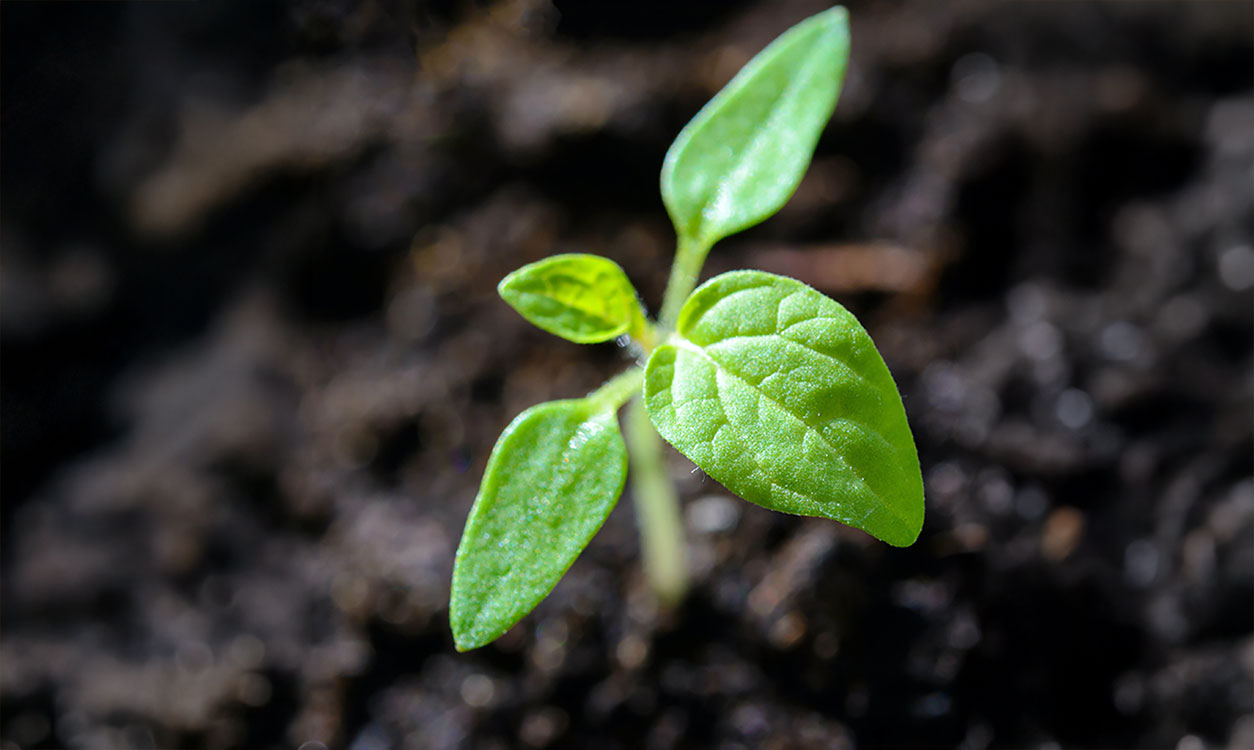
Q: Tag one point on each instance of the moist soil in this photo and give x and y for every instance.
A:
(254, 363)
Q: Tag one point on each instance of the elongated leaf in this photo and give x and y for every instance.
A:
(553, 478)
(582, 298)
(777, 392)
(743, 155)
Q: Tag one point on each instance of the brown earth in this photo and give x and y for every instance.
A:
(254, 363)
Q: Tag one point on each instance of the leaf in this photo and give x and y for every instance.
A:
(552, 479)
(582, 298)
(741, 158)
(778, 393)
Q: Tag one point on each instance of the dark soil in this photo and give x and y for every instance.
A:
(254, 364)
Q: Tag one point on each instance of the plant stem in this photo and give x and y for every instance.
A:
(657, 508)
(614, 392)
(689, 257)
(657, 501)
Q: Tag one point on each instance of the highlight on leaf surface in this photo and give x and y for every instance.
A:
(741, 158)
(552, 479)
(777, 392)
(582, 298)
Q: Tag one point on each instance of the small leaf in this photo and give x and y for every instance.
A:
(741, 158)
(778, 393)
(582, 298)
(553, 478)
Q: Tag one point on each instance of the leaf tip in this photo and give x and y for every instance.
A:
(905, 533)
(465, 638)
(505, 287)
(835, 18)
(462, 613)
(905, 539)
(835, 14)
(832, 26)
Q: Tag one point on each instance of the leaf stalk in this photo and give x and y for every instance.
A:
(617, 390)
(689, 257)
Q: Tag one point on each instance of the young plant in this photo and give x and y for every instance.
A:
(768, 386)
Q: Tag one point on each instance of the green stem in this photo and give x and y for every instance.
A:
(614, 392)
(657, 508)
(689, 257)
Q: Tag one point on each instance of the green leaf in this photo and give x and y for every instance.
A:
(778, 393)
(741, 158)
(553, 478)
(582, 298)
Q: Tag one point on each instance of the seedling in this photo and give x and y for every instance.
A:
(771, 388)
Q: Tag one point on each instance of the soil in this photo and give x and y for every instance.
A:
(254, 363)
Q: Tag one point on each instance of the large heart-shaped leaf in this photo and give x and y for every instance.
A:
(740, 159)
(777, 392)
(582, 298)
(552, 480)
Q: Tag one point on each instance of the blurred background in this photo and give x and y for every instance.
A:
(253, 364)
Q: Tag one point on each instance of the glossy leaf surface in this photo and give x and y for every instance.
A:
(552, 479)
(777, 392)
(740, 159)
(582, 298)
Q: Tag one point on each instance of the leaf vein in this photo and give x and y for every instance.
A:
(689, 346)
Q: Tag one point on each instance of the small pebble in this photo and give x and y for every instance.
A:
(1074, 408)
(976, 77)
(1041, 341)
(1063, 530)
(1121, 341)
(712, 514)
(478, 690)
(1236, 268)
(1140, 563)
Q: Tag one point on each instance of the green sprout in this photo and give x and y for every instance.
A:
(771, 388)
